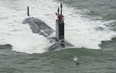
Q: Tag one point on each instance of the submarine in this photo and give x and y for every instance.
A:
(40, 27)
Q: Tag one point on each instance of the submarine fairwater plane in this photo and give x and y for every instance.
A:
(40, 27)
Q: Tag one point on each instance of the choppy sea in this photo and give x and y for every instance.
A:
(90, 26)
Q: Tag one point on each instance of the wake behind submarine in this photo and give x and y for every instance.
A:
(40, 27)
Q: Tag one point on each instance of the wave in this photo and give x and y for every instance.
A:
(80, 31)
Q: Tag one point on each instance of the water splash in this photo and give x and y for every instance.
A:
(79, 31)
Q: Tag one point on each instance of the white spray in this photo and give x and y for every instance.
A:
(79, 31)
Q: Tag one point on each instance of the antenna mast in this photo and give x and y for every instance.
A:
(28, 14)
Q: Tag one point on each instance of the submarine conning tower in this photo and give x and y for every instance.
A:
(60, 32)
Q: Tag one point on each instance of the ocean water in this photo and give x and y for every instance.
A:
(90, 26)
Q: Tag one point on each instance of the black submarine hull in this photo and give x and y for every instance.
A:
(39, 27)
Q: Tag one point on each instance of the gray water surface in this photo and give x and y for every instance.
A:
(91, 61)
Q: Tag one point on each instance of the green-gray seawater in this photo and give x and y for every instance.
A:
(91, 60)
